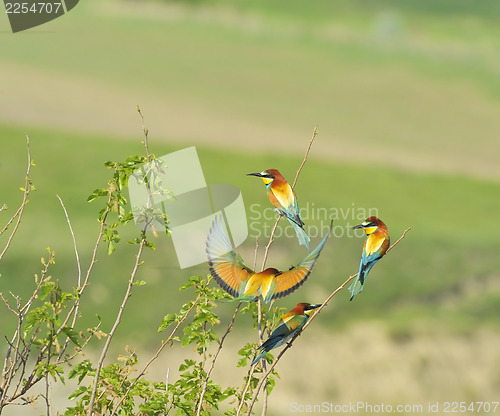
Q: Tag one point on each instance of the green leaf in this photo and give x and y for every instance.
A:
(72, 335)
(166, 321)
(186, 286)
(97, 194)
(46, 289)
(111, 247)
(187, 363)
(78, 392)
(271, 382)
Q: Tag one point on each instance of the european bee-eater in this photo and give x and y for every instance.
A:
(229, 270)
(283, 197)
(289, 324)
(376, 244)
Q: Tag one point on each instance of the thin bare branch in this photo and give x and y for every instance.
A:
(212, 365)
(78, 349)
(315, 133)
(148, 185)
(155, 356)
(8, 305)
(9, 371)
(11, 363)
(146, 134)
(93, 261)
(116, 324)
(268, 245)
(261, 326)
(289, 344)
(245, 389)
(255, 253)
(24, 310)
(47, 380)
(20, 210)
(242, 401)
(17, 362)
(79, 280)
(398, 240)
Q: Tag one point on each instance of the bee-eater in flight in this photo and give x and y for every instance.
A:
(283, 197)
(376, 244)
(229, 270)
(289, 324)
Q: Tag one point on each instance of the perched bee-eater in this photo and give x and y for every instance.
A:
(289, 324)
(229, 271)
(282, 196)
(376, 245)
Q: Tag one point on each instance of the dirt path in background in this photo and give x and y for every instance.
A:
(86, 106)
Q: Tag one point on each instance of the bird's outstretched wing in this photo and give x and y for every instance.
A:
(226, 266)
(289, 281)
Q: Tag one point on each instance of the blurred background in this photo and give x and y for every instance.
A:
(406, 98)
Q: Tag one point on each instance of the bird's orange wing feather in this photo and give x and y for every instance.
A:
(226, 266)
(289, 281)
(283, 194)
(375, 242)
(230, 276)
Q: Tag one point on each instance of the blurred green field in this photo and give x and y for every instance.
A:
(437, 291)
(439, 273)
(419, 88)
(406, 96)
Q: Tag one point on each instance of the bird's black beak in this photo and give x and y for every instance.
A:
(358, 226)
(255, 174)
(311, 307)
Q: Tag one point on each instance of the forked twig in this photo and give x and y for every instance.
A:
(20, 210)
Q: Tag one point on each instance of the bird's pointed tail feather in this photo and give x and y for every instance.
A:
(301, 235)
(356, 286)
(259, 357)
